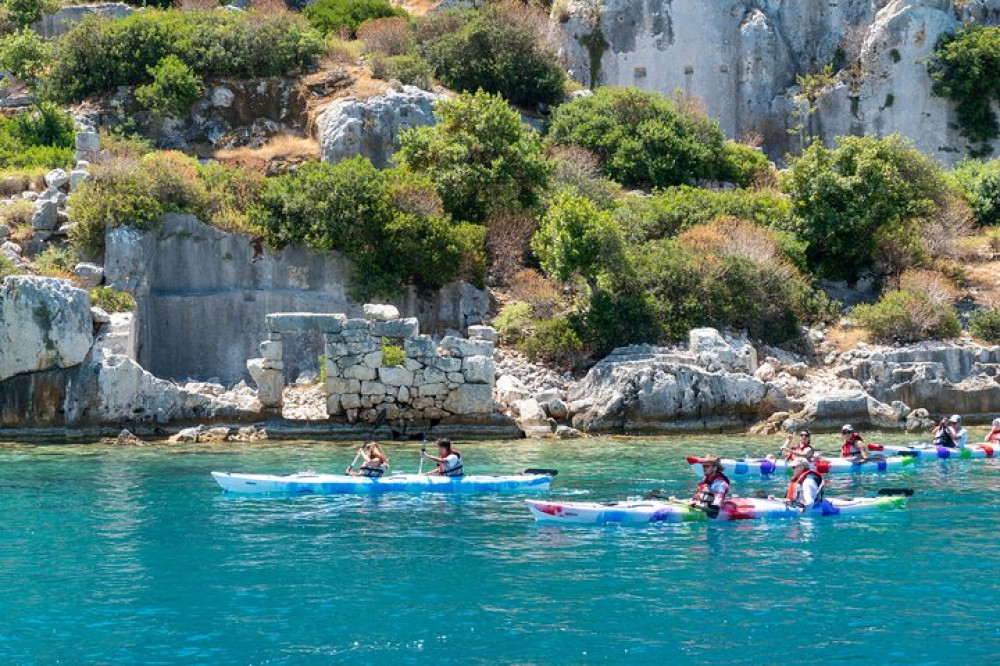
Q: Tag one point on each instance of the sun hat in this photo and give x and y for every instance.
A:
(847, 428)
(955, 418)
(711, 460)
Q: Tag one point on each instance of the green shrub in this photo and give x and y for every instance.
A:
(7, 267)
(979, 183)
(112, 300)
(514, 322)
(499, 56)
(642, 138)
(742, 164)
(554, 341)
(410, 70)
(173, 90)
(25, 55)
(57, 262)
(22, 13)
(42, 137)
(479, 156)
(392, 355)
(868, 196)
(985, 324)
(101, 54)
(963, 68)
(18, 214)
(334, 16)
(907, 316)
(671, 211)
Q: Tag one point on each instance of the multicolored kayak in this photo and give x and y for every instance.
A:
(306, 483)
(657, 511)
(932, 452)
(765, 467)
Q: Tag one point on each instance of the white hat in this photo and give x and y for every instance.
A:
(955, 418)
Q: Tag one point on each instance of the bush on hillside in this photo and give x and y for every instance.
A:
(100, 54)
(7, 267)
(554, 341)
(479, 156)
(579, 170)
(743, 165)
(57, 261)
(390, 36)
(869, 196)
(411, 70)
(42, 137)
(979, 184)
(500, 56)
(173, 90)
(22, 13)
(907, 316)
(514, 322)
(642, 138)
(671, 211)
(25, 54)
(346, 16)
(112, 300)
(964, 67)
(985, 325)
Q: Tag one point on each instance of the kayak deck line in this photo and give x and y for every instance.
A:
(304, 483)
(765, 467)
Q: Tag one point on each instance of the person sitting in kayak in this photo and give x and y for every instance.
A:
(950, 433)
(449, 460)
(375, 461)
(713, 489)
(994, 436)
(853, 446)
(806, 486)
(801, 449)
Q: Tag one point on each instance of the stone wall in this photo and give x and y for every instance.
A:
(436, 380)
(203, 295)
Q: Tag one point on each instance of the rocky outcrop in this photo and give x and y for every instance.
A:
(644, 388)
(742, 60)
(45, 323)
(372, 127)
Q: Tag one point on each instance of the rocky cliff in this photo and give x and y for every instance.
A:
(741, 60)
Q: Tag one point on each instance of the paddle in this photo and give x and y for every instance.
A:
(379, 422)
(353, 463)
(893, 492)
(423, 450)
(541, 471)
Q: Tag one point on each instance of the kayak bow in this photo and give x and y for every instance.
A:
(308, 483)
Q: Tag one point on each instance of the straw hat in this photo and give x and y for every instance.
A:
(712, 460)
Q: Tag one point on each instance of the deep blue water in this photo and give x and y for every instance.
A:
(133, 556)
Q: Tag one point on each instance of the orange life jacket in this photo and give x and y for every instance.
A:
(798, 480)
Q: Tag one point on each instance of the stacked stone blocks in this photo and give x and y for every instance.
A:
(454, 377)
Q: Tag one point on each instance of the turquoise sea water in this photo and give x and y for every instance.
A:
(133, 556)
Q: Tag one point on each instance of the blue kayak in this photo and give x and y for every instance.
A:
(311, 483)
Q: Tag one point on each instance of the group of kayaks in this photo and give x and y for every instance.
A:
(668, 510)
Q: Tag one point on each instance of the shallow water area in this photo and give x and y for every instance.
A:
(133, 555)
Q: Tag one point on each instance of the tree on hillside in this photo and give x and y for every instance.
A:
(866, 194)
(479, 156)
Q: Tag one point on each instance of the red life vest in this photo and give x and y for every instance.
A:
(454, 471)
(704, 495)
(851, 446)
(994, 436)
(793, 487)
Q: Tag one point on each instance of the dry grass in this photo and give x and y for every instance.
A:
(18, 214)
(386, 36)
(530, 286)
(846, 338)
(282, 146)
(508, 240)
(342, 52)
(732, 236)
(418, 7)
(937, 286)
(15, 182)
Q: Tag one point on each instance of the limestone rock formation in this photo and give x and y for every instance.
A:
(45, 323)
(372, 127)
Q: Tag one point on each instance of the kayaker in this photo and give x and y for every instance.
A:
(713, 489)
(806, 486)
(994, 436)
(853, 446)
(449, 460)
(375, 461)
(801, 449)
(949, 433)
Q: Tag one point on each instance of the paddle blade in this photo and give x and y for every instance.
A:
(892, 492)
(907, 454)
(542, 472)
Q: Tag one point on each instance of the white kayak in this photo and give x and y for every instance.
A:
(931, 452)
(659, 511)
(764, 467)
(311, 483)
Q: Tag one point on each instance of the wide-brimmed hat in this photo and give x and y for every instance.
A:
(711, 460)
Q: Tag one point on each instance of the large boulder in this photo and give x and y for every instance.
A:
(45, 323)
(372, 127)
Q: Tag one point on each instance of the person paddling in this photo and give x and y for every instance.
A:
(375, 461)
(853, 446)
(806, 486)
(449, 460)
(713, 489)
(994, 436)
(801, 449)
(950, 433)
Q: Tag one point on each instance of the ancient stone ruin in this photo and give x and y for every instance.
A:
(381, 364)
